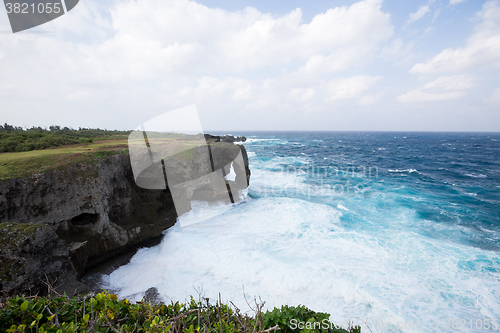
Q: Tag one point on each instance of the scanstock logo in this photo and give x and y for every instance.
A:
(26, 14)
(170, 151)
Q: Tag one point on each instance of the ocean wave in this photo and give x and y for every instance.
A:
(280, 162)
(473, 175)
(290, 251)
(403, 170)
(259, 140)
(289, 242)
(339, 206)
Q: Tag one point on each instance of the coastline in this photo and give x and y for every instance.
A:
(57, 226)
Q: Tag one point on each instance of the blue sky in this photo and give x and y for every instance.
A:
(259, 65)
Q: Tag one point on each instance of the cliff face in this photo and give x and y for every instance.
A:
(55, 226)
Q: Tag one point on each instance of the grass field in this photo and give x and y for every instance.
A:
(162, 145)
(16, 139)
(22, 164)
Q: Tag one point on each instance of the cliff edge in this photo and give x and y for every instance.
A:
(56, 225)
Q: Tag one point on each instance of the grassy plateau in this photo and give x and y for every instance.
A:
(25, 152)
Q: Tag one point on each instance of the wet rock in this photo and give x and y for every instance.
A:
(152, 296)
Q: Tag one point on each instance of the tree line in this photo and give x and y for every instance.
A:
(18, 139)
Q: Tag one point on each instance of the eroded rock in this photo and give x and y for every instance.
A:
(68, 221)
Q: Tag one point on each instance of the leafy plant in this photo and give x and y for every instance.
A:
(301, 319)
(104, 312)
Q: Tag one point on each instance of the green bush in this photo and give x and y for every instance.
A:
(17, 139)
(104, 312)
(301, 319)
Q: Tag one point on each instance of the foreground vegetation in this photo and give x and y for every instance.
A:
(104, 312)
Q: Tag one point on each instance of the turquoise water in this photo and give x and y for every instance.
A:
(369, 227)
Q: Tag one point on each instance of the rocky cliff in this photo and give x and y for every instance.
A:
(57, 225)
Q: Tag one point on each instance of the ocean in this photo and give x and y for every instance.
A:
(370, 227)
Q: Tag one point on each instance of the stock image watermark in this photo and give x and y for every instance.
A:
(26, 14)
(317, 181)
(361, 171)
(432, 325)
(171, 152)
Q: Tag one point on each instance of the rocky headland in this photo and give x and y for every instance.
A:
(56, 226)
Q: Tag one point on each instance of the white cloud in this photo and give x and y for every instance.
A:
(154, 37)
(397, 52)
(494, 98)
(235, 42)
(302, 94)
(422, 10)
(443, 88)
(117, 64)
(350, 88)
(482, 48)
(454, 2)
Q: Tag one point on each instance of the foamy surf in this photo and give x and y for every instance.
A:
(289, 251)
(391, 251)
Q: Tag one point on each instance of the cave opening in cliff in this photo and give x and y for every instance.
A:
(84, 219)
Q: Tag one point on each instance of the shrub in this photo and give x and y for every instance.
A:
(16, 139)
(104, 312)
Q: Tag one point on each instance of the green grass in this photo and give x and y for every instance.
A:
(23, 164)
(17, 231)
(27, 152)
(16, 139)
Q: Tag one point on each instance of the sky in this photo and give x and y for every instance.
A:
(372, 65)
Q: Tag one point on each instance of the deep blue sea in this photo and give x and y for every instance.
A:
(373, 228)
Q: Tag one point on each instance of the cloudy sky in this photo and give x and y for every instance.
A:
(422, 65)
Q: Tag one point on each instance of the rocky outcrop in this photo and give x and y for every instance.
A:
(225, 138)
(57, 225)
(34, 259)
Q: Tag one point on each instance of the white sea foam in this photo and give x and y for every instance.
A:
(339, 206)
(200, 213)
(293, 251)
(231, 175)
(403, 170)
(475, 175)
(282, 162)
(290, 251)
(259, 140)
